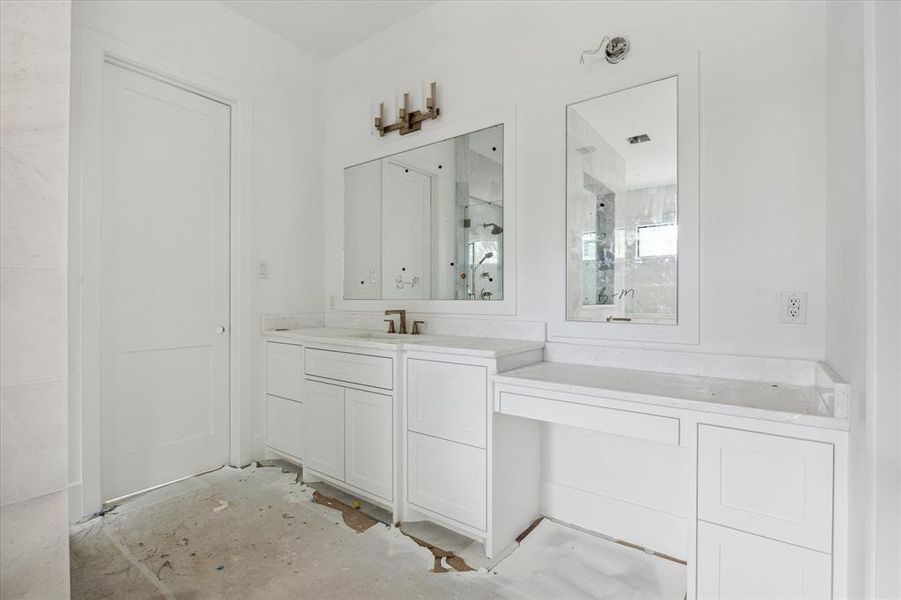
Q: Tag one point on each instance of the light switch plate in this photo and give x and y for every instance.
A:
(263, 269)
(793, 307)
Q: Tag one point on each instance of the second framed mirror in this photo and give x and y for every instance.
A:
(622, 206)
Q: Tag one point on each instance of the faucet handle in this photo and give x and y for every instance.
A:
(390, 323)
(415, 330)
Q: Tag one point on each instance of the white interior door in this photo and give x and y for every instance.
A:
(164, 342)
(406, 233)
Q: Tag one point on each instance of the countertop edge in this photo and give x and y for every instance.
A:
(297, 336)
(787, 417)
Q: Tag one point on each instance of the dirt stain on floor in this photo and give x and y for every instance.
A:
(353, 518)
(360, 522)
(442, 556)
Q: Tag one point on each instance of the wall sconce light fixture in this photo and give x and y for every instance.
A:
(615, 49)
(408, 122)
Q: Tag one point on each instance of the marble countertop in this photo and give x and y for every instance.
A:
(801, 405)
(446, 344)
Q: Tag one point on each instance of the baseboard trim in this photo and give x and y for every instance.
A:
(656, 530)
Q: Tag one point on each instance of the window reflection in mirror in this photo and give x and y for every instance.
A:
(622, 199)
(427, 223)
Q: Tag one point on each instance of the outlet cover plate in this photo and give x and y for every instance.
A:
(793, 307)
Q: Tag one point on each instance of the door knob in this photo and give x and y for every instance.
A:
(220, 330)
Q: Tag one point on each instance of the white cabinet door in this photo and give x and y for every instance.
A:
(733, 565)
(368, 442)
(325, 415)
(447, 400)
(775, 486)
(285, 426)
(447, 478)
(284, 370)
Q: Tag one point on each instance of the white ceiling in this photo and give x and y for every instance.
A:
(326, 27)
(649, 109)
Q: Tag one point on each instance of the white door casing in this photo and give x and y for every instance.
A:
(92, 51)
(164, 339)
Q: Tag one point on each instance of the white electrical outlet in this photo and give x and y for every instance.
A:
(263, 269)
(793, 307)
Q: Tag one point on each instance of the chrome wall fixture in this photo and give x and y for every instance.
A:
(615, 49)
(408, 122)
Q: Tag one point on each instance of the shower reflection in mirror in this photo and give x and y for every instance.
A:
(427, 223)
(621, 202)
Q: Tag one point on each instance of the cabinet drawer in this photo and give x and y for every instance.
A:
(447, 478)
(733, 565)
(655, 428)
(375, 371)
(774, 486)
(285, 426)
(284, 370)
(448, 400)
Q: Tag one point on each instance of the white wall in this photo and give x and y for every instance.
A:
(762, 163)
(34, 149)
(285, 85)
(762, 176)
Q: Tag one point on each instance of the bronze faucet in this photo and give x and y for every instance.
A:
(403, 320)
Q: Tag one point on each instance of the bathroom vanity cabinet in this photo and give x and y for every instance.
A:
(766, 464)
(351, 420)
(452, 452)
(333, 411)
(285, 409)
(765, 512)
(451, 430)
(402, 421)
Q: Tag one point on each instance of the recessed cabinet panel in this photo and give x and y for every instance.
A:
(285, 426)
(325, 411)
(447, 478)
(733, 565)
(775, 486)
(368, 444)
(448, 401)
(375, 371)
(284, 370)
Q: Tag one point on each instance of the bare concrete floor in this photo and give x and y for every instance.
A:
(256, 533)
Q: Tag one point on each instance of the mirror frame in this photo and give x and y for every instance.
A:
(686, 330)
(430, 135)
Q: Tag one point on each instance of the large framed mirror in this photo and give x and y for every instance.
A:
(428, 224)
(622, 206)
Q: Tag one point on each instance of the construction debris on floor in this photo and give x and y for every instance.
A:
(260, 533)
